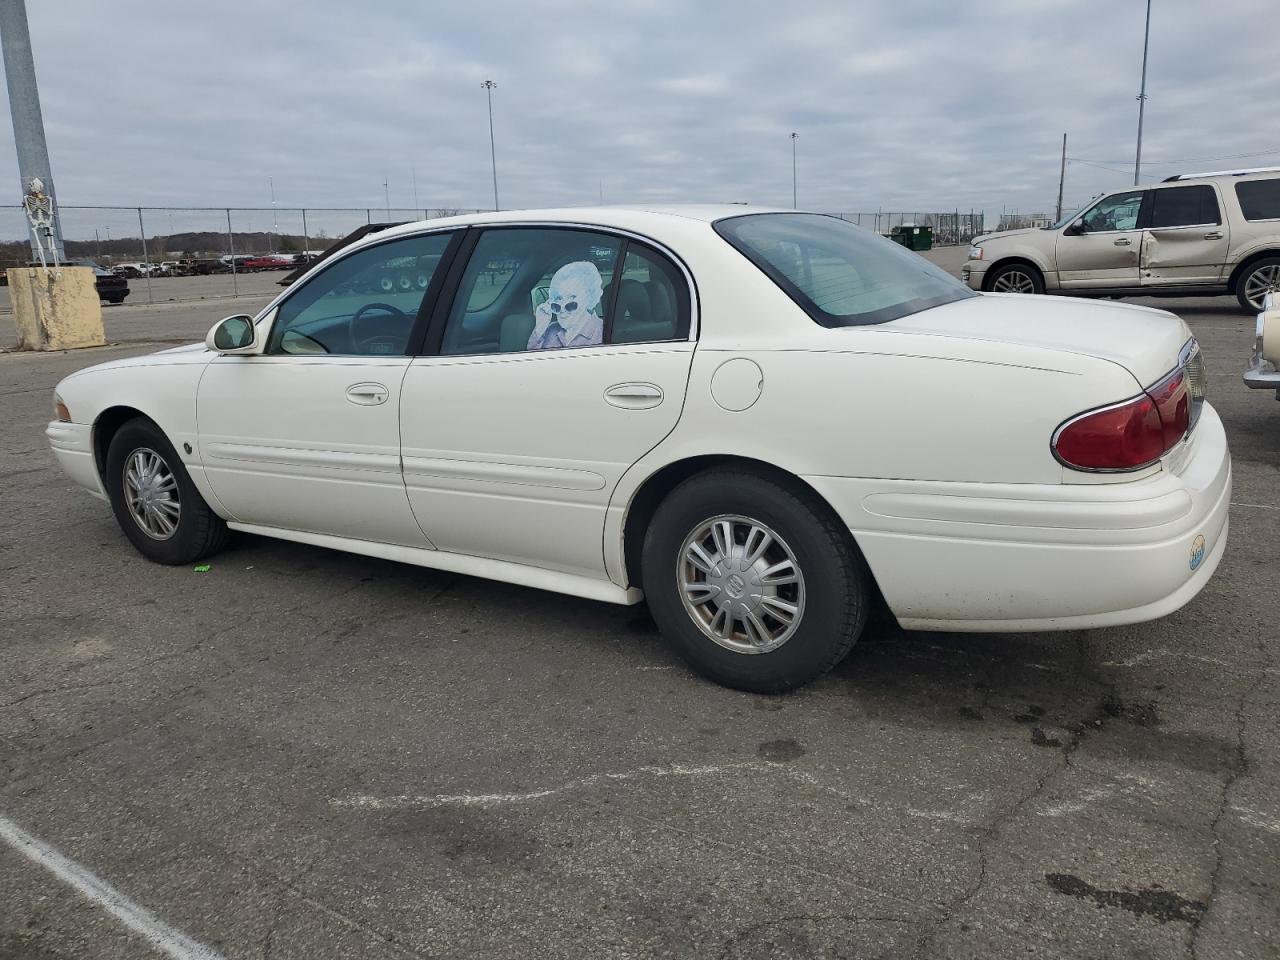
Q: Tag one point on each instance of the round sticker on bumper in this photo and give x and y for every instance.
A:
(1197, 551)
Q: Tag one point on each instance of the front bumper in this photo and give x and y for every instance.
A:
(1031, 557)
(972, 273)
(1262, 375)
(72, 446)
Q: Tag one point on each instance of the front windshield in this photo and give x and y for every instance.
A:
(841, 275)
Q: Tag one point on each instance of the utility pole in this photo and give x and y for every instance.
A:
(24, 105)
(1142, 97)
(413, 173)
(1062, 176)
(386, 196)
(794, 136)
(489, 87)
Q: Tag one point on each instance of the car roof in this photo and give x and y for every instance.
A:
(637, 217)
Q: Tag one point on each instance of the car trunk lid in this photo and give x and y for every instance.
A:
(1146, 342)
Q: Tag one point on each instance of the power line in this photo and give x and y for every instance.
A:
(1232, 156)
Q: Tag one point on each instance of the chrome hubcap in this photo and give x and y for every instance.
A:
(151, 494)
(741, 584)
(1261, 282)
(1014, 281)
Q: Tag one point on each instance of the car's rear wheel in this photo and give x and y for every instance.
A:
(1259, 278)
(154, 500)
(757, 586)
(1015, 278)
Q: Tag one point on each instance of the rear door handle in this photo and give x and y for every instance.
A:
(1123, 242)
(634, 396)
(368, 394)
(1213, 235)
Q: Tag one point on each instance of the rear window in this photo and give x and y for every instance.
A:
(841, 275)
(1259, 199)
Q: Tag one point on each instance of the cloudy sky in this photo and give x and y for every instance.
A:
(908, 105)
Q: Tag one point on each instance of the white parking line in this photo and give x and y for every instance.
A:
(137, 918)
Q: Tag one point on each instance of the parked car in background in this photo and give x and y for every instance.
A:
(747, 417)
(204, 266)
(129, 270)
(1191, 235)
(112, 287)
(270, 261)
(1263, 372)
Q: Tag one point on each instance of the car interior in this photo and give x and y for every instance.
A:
(366, 304)
(510, 274)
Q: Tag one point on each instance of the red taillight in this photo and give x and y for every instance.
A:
(1129, 435)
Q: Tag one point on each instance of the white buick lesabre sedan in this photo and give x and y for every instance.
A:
(760, 422)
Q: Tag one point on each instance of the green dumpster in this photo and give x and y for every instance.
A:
(912, 237)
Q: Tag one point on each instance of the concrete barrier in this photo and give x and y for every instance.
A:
(56, 309)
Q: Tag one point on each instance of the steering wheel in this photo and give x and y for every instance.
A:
(377, 343)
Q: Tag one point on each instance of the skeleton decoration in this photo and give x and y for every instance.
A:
(39, 209)
(570, 316)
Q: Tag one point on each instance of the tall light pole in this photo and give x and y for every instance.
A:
(386, 197)
(1142, 97)
(275, 221)
(489, 87)
(794, 138)
(24, 105)
(1062, 176)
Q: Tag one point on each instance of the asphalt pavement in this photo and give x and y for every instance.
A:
(306, 754)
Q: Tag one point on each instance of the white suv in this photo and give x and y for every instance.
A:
(1191, 235)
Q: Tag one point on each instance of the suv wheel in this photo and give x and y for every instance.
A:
(1015, 278)
(1259, 278)
(756, 587)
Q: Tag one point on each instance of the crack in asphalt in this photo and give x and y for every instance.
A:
(853, 918)
(991, 832)
(1234, 775)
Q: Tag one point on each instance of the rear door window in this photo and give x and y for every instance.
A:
(1259, 199)
(1194, 206)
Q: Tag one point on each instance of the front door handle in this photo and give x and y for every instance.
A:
(634, 396)
(1123, 242)
(368, 394)
(1213, 235)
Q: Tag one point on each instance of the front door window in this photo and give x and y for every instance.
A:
(1117, 212)
(364, 305)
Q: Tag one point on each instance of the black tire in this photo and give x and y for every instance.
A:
(1270, 265)
(1007, 271)
(837, 586)
(199, 531)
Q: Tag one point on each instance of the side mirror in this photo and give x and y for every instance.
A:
(233, 335)
(1077, 229)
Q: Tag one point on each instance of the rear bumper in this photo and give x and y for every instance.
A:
(1262, 375)
(1031, 557)
(72, 446)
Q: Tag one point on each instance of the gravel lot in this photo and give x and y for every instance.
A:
(305, 754)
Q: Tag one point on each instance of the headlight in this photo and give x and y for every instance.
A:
(60, 409)
(975, 253)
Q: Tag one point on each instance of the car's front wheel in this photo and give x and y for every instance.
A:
(756, 585)
(154, 500)
(1015, 278)
(1259, 278)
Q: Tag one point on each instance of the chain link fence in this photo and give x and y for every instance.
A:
(154, 246)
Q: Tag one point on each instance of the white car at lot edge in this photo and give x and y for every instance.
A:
(760, 421)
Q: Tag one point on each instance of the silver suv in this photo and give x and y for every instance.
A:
(1191, 235)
